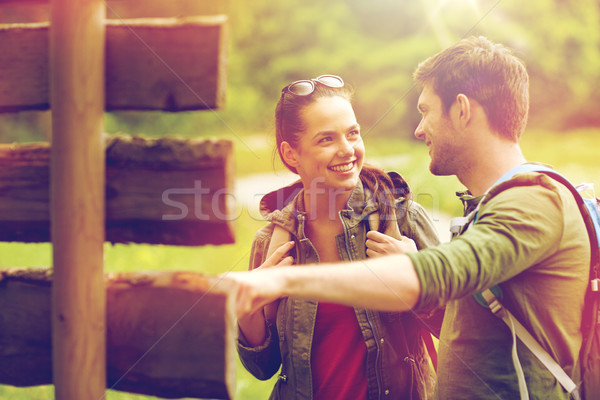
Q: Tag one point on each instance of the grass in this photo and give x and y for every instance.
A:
(575, 154)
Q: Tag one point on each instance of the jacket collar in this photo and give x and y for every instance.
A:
(284, 205)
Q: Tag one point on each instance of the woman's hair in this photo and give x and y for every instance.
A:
(384, 191)
(290, 125)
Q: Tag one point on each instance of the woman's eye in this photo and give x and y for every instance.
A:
(325, 139)
(354, 133)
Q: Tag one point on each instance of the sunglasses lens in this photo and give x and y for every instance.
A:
(301, 88)
(332, 81)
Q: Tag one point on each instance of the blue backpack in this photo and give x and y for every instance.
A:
(589, 355)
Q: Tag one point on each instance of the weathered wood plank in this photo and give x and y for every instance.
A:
(170, 64)
(117, 9)
(161, 191)
(169, 334)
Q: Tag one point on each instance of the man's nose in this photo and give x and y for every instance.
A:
(419, 132)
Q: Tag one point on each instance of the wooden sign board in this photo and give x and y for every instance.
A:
(169, 334)
(169, 64)
(160, 191)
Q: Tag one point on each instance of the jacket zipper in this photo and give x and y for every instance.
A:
(366, 312)
(345, 236)
(302, 224)
(301, 216)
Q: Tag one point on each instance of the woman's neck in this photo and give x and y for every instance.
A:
(325, 203)
(322, 221)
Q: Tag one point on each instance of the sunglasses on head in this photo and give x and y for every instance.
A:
(307, 86)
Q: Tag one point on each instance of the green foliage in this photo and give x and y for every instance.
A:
(376, 46)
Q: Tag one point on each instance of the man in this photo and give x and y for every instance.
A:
(529, 239)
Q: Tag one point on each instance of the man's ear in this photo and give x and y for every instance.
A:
(464, 109)
(289, 154)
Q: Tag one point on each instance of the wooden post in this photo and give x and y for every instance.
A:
(77, 41)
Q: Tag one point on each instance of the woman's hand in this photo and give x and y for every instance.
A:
(278, 258)
(379, 244)
(251, 320)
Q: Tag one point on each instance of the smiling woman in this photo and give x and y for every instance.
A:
(330, 153)
(326, 215)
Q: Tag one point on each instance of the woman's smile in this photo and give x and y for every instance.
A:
(346, 167)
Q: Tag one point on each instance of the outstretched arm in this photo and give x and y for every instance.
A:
(252, 324)
(387, 283)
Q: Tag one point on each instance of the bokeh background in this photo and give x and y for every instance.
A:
(375, 46)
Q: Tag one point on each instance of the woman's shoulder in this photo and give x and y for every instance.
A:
(260, 245)
(263, 235)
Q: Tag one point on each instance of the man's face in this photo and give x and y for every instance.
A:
(437, 129)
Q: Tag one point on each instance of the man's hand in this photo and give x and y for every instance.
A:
(379, 244)
(259, 288)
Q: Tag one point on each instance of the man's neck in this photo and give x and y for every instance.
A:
(487, 167)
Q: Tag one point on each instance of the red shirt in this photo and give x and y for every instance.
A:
(339, 355)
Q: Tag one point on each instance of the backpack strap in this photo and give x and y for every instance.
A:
(391, 230)
(279, 237)
(517, 329)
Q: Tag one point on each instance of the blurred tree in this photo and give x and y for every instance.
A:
(560, 42)
(369, 44)
(377, 45)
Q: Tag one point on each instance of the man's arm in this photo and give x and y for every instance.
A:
(387, 283)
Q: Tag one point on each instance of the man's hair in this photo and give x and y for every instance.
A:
(486, 72)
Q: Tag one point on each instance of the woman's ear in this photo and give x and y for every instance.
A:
(464, 110)
(290, 155)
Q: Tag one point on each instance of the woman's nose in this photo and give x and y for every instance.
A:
(345, 148)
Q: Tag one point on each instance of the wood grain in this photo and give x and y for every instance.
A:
(167, 191)
(170, 64)
(169, 334)
(77, 181)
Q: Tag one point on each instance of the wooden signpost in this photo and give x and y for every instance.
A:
(169, 334)
(76, 198)
(84, 189)
(159, 191)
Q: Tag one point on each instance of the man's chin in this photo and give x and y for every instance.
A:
(439, 171)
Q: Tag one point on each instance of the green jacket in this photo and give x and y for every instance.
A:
(530, 240)
(398, 364)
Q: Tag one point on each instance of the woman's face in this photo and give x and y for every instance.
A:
(330, 152)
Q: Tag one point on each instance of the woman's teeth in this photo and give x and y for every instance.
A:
(343, 167)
